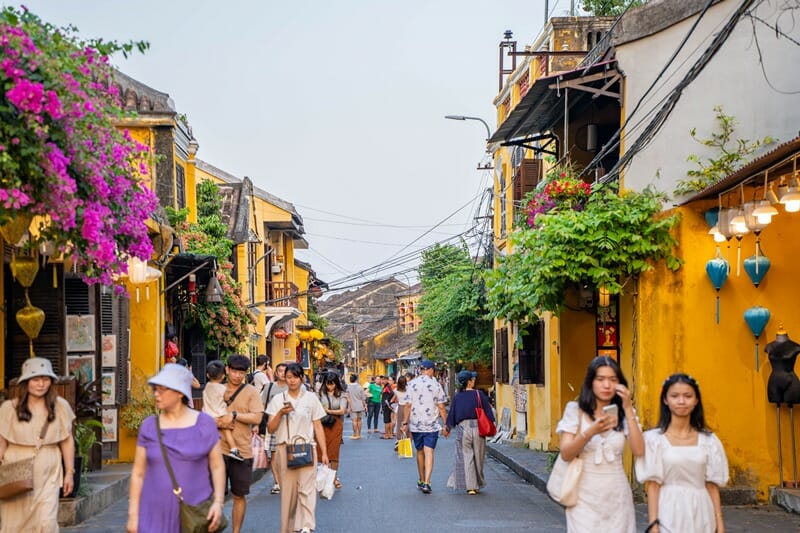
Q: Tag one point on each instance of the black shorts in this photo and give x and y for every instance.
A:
(239, 474)
(387, 414)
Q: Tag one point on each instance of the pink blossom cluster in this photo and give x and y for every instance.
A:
(561, 191)
(61, 154)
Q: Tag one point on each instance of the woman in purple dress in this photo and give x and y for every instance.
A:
(192, 443)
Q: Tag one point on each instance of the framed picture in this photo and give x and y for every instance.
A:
(109, 345)
(81, 366)
(109, 386)
(80, 333)
(109, 425)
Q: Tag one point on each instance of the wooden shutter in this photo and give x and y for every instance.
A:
(531, 356)
(50, 343)
(527, 177)
(500, 364)
(114, 320)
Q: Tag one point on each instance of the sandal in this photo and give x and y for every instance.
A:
(337, 483)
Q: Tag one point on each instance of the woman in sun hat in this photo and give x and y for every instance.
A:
(467, 471)
(192, 443)
(37, 417)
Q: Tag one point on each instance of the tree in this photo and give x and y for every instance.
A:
(453, 311)
(608, 8)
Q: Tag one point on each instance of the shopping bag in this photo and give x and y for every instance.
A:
(404, 449)
(325, 481)
(259, 454)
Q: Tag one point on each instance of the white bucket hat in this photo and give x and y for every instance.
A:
(175, 377)
(34, 367)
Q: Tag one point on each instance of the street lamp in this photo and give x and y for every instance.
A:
(463, 117)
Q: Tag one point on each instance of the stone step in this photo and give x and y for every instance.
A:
(106, 488)
(789, 499)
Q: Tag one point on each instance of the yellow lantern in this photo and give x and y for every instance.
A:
(304, 335)
(316, 334)
(604, 297)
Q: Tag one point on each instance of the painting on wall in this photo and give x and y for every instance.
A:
(109, 386)
(109, 425)
(80, 333)
(81, 366)
(109, 343)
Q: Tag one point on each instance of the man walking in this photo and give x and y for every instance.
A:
(358, 404)
(244, 410)
(427, 405)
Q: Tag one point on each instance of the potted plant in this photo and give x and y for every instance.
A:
(85, 435)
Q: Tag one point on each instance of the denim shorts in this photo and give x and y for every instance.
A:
(425, 439)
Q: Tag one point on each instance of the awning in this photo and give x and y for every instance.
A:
(181, 265)
(277, 316)
(542, 106)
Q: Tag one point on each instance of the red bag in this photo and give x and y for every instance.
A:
(486, 427)
(259, 454)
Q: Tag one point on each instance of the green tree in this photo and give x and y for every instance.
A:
(608, 8)
(453, 308)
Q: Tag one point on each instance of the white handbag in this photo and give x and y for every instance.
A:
(562, 485)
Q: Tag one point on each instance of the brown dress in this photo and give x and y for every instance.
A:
(35, 511)
(333, 434)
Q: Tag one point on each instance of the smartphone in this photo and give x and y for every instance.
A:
(611, 410)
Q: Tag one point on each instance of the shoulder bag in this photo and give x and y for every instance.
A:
(194, 518)
(328, 420)
(262, 426)
(17, 478)
(562, 485)
(486, 427)
(298, 454)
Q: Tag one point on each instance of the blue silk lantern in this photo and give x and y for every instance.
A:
(757, 265)
(718, 269)
(757, 318)
(712, 216)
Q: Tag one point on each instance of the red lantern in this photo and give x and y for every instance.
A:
(192, 288)
(280, 333)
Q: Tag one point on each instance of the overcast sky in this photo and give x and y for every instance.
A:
(335, 106)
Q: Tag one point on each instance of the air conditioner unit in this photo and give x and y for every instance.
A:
(277, 268)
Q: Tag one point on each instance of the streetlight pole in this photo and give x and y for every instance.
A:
(464, 117)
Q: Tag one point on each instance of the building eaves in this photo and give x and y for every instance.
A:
(763, 163)
(653, 17)
(142, 99)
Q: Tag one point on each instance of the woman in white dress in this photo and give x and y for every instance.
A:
(598, 436)
(684, 464)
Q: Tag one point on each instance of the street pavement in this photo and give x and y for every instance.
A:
(380, 494)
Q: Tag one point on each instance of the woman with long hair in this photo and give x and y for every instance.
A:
(297, 413)
(467, 473)
(684, 465)
(334, 401)
(191, 441)
(402, 401)
(37, 423)
(596, 428)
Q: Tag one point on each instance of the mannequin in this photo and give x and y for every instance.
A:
(783, 385)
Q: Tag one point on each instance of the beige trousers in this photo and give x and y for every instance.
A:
(298, 493)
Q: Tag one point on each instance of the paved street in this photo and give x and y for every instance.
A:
(379, 494)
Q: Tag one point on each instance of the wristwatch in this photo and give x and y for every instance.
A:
(234, 414)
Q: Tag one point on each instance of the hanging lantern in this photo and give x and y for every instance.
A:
(603, 297)
(137, 273)
(757, 265)
(316, 334)
(24, 269)
(16, 228)
(280, 333)
(192, 289)
(757, 318)
(717, 270)
(304, 335)
(712, 216)
(30, 320)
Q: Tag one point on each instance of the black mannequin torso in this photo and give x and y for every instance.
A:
(783, 385)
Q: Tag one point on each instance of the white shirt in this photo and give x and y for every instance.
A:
(307, 408)
(425, 394)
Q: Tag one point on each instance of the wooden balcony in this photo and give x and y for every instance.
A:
(282, 294)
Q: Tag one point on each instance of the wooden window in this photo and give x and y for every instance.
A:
(500, 366)
(180, 186)
(531, 356)
(526, 178)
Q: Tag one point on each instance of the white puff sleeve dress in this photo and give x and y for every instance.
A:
(605, 502)
(684, 503)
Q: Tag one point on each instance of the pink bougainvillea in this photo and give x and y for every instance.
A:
(560, 190)
(61, 155)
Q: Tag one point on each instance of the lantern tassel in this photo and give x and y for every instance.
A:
(739, 259)
(756, 354)
(30, 347)
(717, 307)
(55, 276)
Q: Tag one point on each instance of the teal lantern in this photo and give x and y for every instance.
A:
(718, 269)
(757, 318)
(757, 265)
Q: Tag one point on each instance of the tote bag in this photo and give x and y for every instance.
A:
(562, 485)
(404, 450)
(486, 427)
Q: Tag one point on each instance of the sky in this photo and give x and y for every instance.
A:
(336, 106)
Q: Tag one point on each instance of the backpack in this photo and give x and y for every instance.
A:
(250, 378)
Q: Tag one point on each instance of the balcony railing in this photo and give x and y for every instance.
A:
(282, 294)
